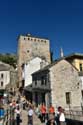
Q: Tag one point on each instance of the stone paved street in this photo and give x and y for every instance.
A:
(36, 121)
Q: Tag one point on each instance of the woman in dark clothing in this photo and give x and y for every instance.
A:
(58, 115)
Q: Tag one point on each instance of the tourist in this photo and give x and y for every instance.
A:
(13, 104)
(62, 117)
(51, 109)
(24, 104)
(2, 111)
(30, 115)
(58, 115)
(43, 112)
(18, 114)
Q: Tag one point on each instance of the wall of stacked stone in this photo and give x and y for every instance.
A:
(64, 78)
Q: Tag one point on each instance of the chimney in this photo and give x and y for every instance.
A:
(61, 53)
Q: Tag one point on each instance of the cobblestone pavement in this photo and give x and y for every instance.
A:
(24, 117)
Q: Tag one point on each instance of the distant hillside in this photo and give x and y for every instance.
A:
(9, 59)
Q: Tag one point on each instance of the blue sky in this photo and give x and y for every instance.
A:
(61, 21)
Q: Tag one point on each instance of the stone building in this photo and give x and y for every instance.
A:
(81, 81)
(31, 67)
(4, 75)
(30, 47)
(8, 77)
(76, 59)
(57, 83)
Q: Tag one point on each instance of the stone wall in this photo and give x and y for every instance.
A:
(64, 78)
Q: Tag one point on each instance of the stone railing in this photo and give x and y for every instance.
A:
(8, 118)
(74, 115)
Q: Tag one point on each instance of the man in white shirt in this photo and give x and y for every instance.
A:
(30, 116)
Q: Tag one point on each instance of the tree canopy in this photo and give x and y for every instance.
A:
(9, 59)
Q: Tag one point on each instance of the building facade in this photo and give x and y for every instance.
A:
(76, 59)
(7, 76)
(30, 47)
(61, 84)
(31, 67)
(4, 78)
(81, 81)
(41, 87)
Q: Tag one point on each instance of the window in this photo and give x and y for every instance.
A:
(35, 82)
(42, 80)
(27, 51)
(68, 97)
(80, 65)
(38, 40)
(45, 81)
(28, 38)
(34, 39)
(1, 83)
(82, 93)
(23, 83)
(2, 75)
(22, 66)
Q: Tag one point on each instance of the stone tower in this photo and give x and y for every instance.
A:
(30, 47)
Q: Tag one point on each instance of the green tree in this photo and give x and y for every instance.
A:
(9, 59)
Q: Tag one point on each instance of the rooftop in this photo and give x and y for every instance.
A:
(32, 36)
(74, 55)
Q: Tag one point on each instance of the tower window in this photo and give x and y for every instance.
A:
(22, 66)
(34, 39)
(68, 94)
(28, 38)
(27, 51)
(82, 93)
(1, 83)
(38, 40)
(2, 75)
(80, 65)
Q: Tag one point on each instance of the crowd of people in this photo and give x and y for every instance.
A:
(47, 116)
(16, 105)
(22, 104)
(50, 116)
